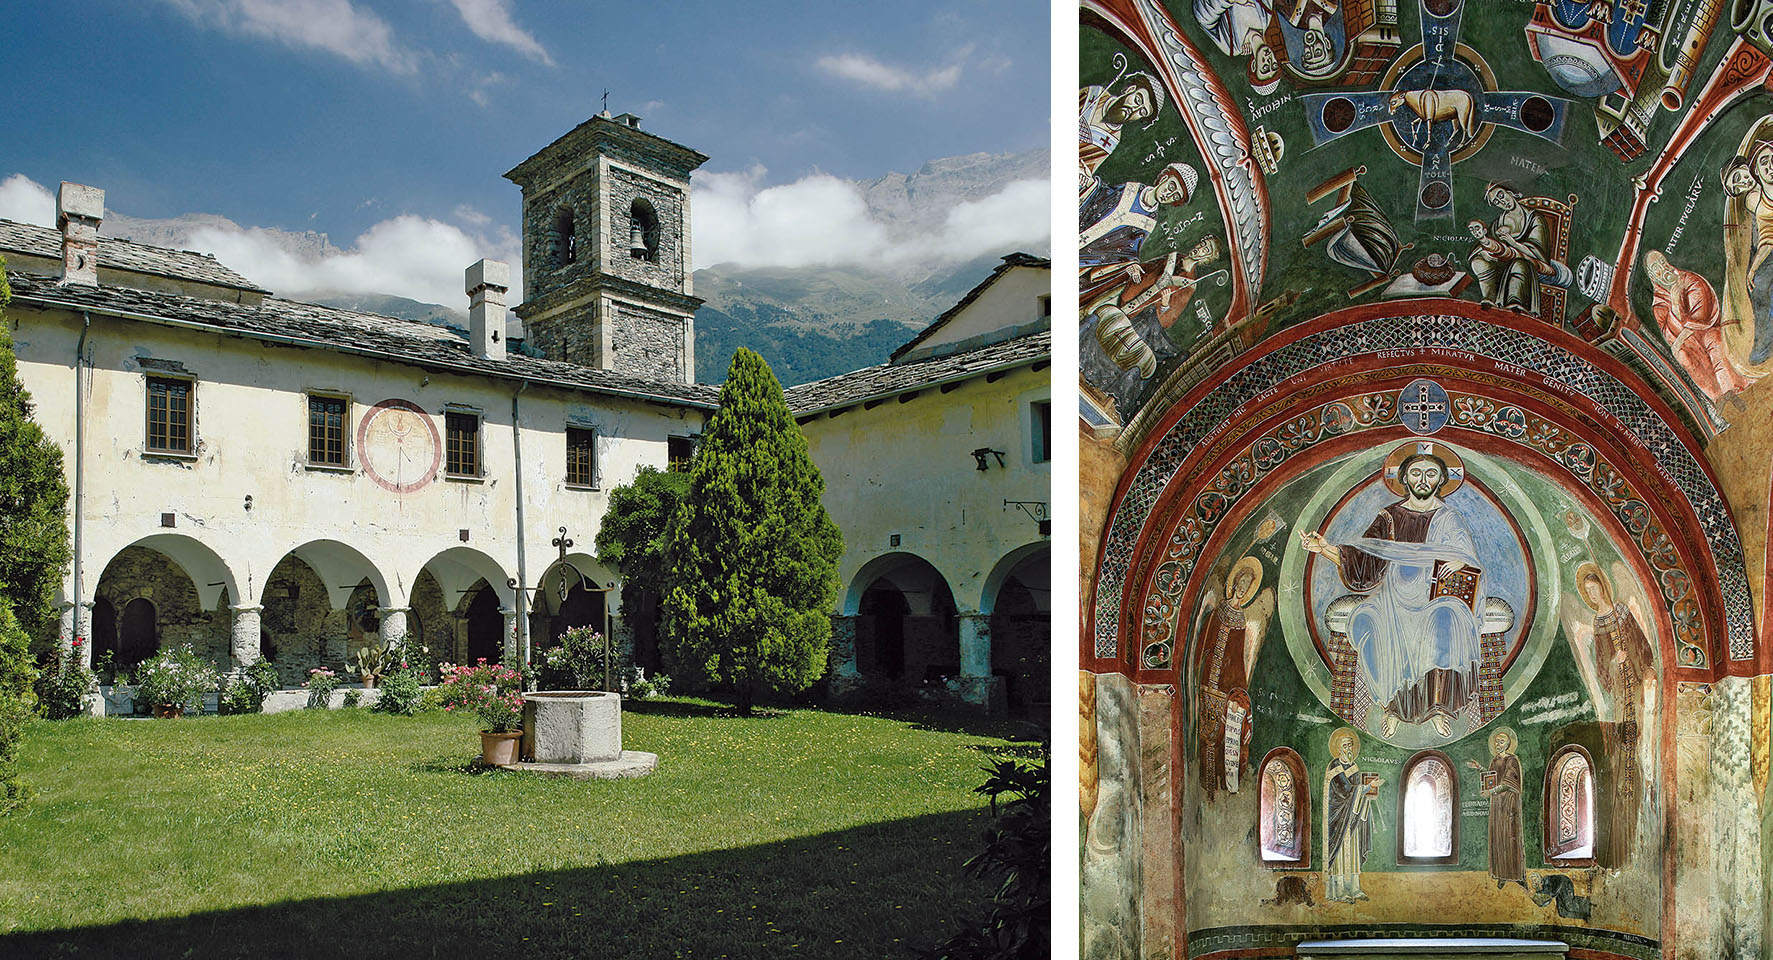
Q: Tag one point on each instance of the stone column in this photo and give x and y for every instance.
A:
(975, 645)
(843, 649)
(844, 677)
(977, 685)
(393, 630)
(244, 635)
(510, 644)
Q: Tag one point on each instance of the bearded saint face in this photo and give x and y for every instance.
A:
(1133, 106)
(1423, 478)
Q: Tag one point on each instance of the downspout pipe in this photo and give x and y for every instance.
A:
(522, 566)
(80, 477)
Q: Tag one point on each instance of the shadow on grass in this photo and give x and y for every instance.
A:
(876, 891)
(922, 716)
(697, 708)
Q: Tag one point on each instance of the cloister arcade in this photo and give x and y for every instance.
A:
(984, 635)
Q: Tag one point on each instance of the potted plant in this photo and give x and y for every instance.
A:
(372, 662)
(173, 681)
(501, 720)
(493, 692)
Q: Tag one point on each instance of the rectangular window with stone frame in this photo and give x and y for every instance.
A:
(329, 424)
(169, 415)
(581, 457)
(461, 443)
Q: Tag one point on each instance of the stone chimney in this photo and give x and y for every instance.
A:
(78, 212)
(486, 282)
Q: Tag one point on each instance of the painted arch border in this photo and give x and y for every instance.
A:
(1184, 452)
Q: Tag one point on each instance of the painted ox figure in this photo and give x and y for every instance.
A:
(1431, 106)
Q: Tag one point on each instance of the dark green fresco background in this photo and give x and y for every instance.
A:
(1580, 165)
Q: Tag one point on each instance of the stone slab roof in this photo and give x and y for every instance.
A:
(327, 328)
(1009, 262)
(891, 379)
(39, 241)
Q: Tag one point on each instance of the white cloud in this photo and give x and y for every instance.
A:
(818, 220)
(1020, 212)
(491, 21)
(408, 256)
(869, 72)
(335, 26)
(26, 201)
(821, 220)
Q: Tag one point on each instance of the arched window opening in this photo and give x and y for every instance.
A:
(563, 245)
(137, 637)
(643, 231)
(1285, 818)
(1428, 810)
(1569, 819)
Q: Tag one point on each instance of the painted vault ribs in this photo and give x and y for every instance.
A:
(1428, 459)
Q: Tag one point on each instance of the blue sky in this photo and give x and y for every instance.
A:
(390, 122)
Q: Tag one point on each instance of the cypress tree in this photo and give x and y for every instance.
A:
(33, 500)
(33, 552)
(752, 555)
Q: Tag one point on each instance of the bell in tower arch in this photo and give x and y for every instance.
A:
(636, 239)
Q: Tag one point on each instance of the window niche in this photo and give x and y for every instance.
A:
(563, 244)
(1428, 810)
(1284, 831)
(643, 231)
(1569, 808)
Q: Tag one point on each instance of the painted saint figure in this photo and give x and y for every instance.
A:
(1502, 784)
(1101, 114)
(1348, 809)
(1229, 642)
(1687, 310)
(1240, 28)
(1115, 219)
(1746, 294)
(1131, 334)
(1623, 661)
(1514, 255)
(1414, 634)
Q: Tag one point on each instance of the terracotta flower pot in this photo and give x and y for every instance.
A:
(499, 749)
(169, 711)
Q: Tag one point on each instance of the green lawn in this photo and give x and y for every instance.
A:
(346, 833)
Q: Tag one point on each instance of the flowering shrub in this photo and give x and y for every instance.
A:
(246, 693)
(492, 691)
(65, 685)
(401, 690)
(321, 683)
(175, 677)
(577, 662)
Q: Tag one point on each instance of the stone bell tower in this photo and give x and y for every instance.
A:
(606, 250)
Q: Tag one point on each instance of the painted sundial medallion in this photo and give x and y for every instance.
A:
(399, 446)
